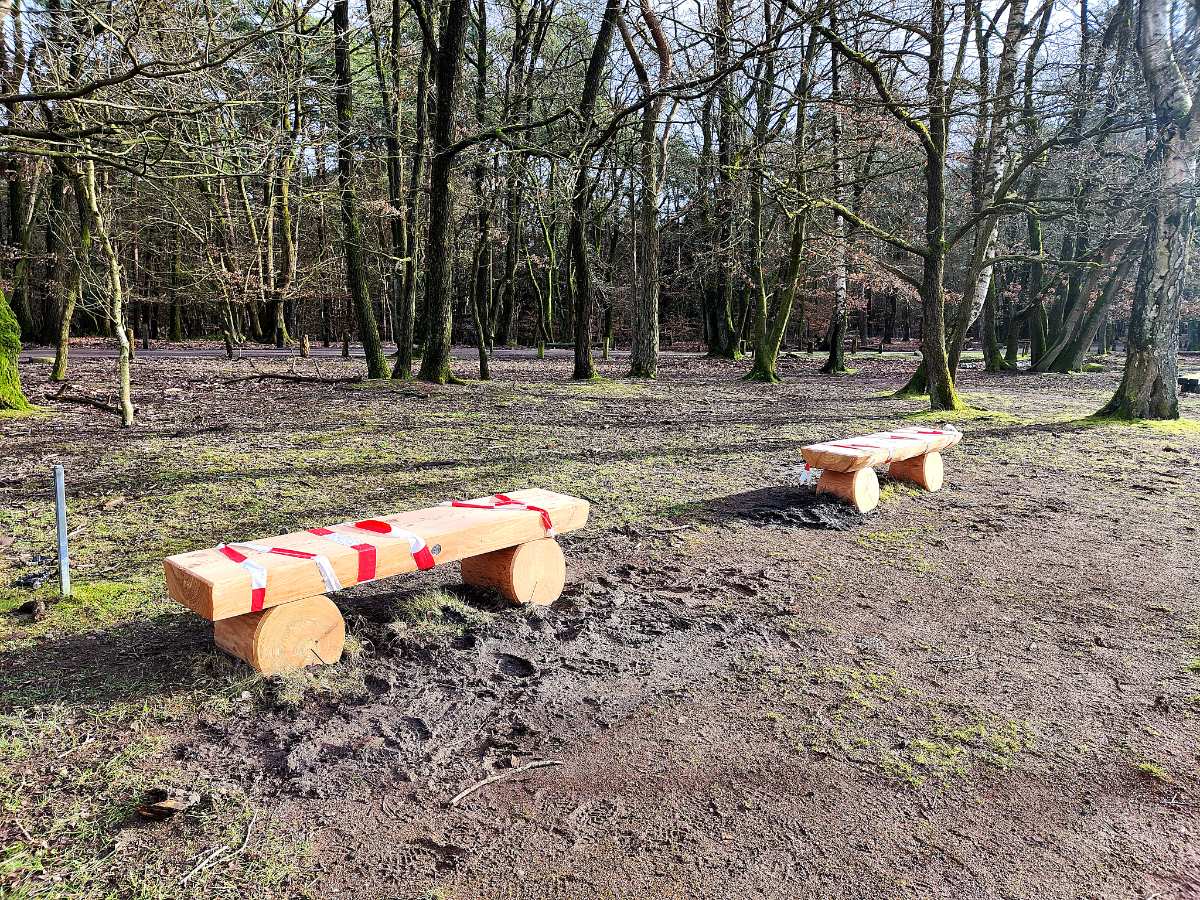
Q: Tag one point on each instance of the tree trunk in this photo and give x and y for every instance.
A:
(407, 306)
(723, 337)
(481, 289)
(439, 267)
(352, 235)
(643, 351)
(87, 190)
(939, 382)
(581, 198)
(1149, 388)
(11, 396)
(835, 363)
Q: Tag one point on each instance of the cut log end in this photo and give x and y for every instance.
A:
(528, 573)
(306, 632)
(860, 489)
(925, 471)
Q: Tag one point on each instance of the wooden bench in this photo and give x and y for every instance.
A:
(848, 466)
(267, 599)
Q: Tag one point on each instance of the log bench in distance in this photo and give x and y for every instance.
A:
(911, 454)
(267, 598)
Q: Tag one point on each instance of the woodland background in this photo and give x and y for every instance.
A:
(738, 174)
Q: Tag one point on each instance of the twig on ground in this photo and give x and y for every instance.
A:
(492, 779)
(209, 858)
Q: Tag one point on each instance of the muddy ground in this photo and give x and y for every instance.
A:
(991, 691)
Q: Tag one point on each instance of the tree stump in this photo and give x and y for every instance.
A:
(925, 471)
(528, 573)
(306, 632)
(860, 488)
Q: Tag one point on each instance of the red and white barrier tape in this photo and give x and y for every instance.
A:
(258, 575)
(416, 544)
(503, 501)
(324, 566)
(366, 552)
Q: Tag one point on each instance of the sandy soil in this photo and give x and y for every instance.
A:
(989, 691)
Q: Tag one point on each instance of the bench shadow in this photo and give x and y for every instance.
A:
(154, 658)
(790, 505)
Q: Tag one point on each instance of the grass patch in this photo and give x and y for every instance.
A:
(1153, 771)
(1157, 426)
(875, 719)
(878, 540)
(33, 411)
(968, 414)
(92, 605)
(435, 615)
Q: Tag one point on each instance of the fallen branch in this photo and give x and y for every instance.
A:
(317, 379)
(492, 779)
(83, 400)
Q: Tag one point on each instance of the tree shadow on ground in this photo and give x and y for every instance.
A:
(141, 660)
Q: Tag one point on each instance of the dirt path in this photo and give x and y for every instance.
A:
(985, 692)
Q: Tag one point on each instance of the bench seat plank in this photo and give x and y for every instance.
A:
(216, 587)
(881, 448)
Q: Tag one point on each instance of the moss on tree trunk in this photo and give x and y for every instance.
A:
(11, 395)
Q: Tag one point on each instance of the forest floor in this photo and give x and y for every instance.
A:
(991, 691)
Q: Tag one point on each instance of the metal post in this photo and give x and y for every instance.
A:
(60, 515)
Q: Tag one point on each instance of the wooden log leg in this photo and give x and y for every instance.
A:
(528, 573)
(306, 632)
(925, 471)
(860, 489)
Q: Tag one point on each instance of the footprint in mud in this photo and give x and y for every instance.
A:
(515, 666)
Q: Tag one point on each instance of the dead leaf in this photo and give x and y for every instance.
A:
(161, 803)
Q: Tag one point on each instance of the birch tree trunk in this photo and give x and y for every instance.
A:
(994, 164)
(86, 188)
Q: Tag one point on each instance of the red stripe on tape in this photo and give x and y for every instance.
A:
(424, 559)
(232, 554)
(296, 554)
(366, 561)
(258, 596)
(374, 525)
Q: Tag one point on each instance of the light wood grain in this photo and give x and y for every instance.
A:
(881, 448)
(859, 488)
(531, 573)
(925, 471)
(217, 588)
(290, 636)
